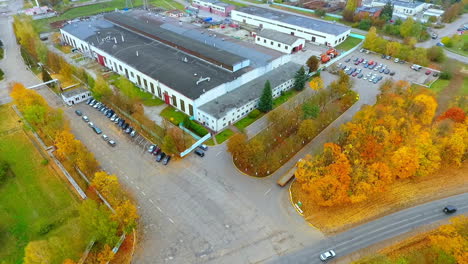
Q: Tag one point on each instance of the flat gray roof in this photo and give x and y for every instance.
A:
(155, 31)
(300, 21)
(252, 90)
(154, 59)
(75, 91)
(403, 3)
(278, 36)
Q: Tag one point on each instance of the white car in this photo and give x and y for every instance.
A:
(85, 118)
(90, 124)
(105, 137)
(327, 255)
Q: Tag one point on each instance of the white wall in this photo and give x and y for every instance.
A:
(309, 34)
(281, 47)
(77, 98)
(238, 113)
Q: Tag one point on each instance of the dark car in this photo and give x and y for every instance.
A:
(382, 70)
(383, 56)
(89, 100)
(121, 122)
(200, 152)
(204, 147)
(387, 71)
(156, 151)
(124, 127)
(160, 156)
(110, 114)
(428, 72)
(450, 209)
(355, 73)
(348, 60)
(166, 160)
(435, 74)
(78, 113)
(392, 73)
(356, 63)
(360, 75)
(356, 59)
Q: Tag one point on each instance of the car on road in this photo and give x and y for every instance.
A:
(434, 36)
(166, 159)
(112, 143)
(97, 130)
(450, 209)
(199, 152)
(387, 71)
(151, 148)
(78, 113)
(160, 156)
(105, 137)
(327, 255)
(85, 118)
(440, 44)
(387, 57)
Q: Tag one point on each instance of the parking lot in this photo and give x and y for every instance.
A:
(369, 66)
(195, 210)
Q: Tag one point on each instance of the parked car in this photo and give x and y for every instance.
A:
(428, 72)
(199, 152)
(360, 76)
(110, 114)
(112, 143)
(128, 130)
(151, 148)
(396, 60)
(435, 74)
(382, 70)
(112, 119)
(366, 65)
(362, 50)
(383, 56)
(133, 133)
(85, 118)
(355, 74)
(166, 159)
(359, 70)
(78, 113)
(371, 62)
(93, 102)
(117, 120)
(156, 151)
(124, 127)
(339, 65)
(416, 67)
(387, 71)
(89, 100)
(356, 62)
(91, 124)
(97, 130)
(388, 57)
(160, 156)
(105, 137)
(450, 209)
(348, 60)
(392, 73)
(356, 59)
(440, 44)
(204, 147)
(327, 255)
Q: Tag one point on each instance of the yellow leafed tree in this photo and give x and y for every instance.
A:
(316, 84)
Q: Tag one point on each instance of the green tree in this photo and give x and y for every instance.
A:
(371, 38)
(365, 24)
(4, 168)
(96, 220)
(310, 110)
(101, 89)
(266, 100)
(37, 252)
(46, 76)
(435, 54)
(313, 63)
(432, 19)
(300, 79)
(169, 145)
(320, 12)
(387, 11)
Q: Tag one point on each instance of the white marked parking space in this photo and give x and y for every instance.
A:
(144, 194)
(170, 219)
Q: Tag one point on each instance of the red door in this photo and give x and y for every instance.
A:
(166, 98)
(100, 59)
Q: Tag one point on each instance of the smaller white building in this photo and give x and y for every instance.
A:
(402, 9)
(279, 41)
(75, 96)
(437, 13)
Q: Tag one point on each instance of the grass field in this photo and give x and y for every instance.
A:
(439, 85)
(284, 98)
(349, 43)
(33, 199)
(223, 136)
(173, 115)
(246, 121)
(43, 24)
(458, 46)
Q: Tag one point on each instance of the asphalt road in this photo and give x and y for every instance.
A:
(378, 230)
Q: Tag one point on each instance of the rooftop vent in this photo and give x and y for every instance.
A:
(137, 53)
(185, 59)
(202, 80)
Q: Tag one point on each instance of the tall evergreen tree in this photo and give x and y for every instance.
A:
(300, 79)
(387, 11)
(266, 100)
(46, 77)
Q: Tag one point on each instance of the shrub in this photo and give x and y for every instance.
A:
(254, 114)
(446, 75)
(198, 129)
(447, 41)
(4, 168)
(44, 162)
(320, 12)
(1, 74)
(1, 53)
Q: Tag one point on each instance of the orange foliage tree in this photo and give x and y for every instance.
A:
(455, 113)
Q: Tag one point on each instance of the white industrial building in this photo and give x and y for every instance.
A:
(403, 9)
(184, 65)
(279, 41)
(74, 96)
(314, 30)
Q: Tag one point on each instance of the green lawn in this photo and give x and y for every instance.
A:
(284, 98)
(32, 198)
(349, 43)
(173, 115)
(458, 46)
(235, 3)
(246, 121)
(43, 24)
(147, 99)
(223, 136)
(439, 85)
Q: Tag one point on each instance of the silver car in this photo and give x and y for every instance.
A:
(327, 255)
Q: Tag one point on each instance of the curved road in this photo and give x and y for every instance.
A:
(379, 230)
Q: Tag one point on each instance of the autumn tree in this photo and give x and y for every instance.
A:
(436, 54)
(97, 222)
(126, 213)
(300, 79)
(108, 186)
(393, 48)
(101, 89)
(169, 145)
(236, 144)
(307, 129)
(313, 63)
(452, 238)
(316, 84)
(105, 255)
(37, 252)
(67, 146)
(65, 69)
(371, 39)
(455, 113)
(266, 100)
(69, 261)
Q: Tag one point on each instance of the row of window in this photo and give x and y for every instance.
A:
(272, 43)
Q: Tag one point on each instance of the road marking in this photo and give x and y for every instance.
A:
(142, 192)
(159, 209)
(151, 201)
(218, 153)
(267, 192)
(137, 187)
(172, 221)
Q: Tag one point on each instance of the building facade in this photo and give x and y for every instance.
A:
(213, 6)
(314, 30)
(279, 41)
(75, 96)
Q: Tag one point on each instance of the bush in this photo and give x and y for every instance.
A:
(1, 53)
(446, 75)
(320, 12)
(365, 24)
(195, 127)
(4, 168)
(1, 74)
(447, 41)
(44, 162)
